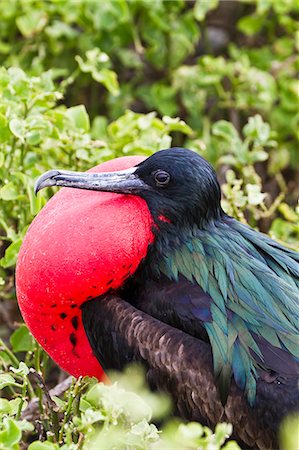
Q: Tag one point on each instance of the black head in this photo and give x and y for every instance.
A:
(183, 186)
(176, 183)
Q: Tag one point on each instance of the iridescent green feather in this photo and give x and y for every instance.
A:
(252, 281)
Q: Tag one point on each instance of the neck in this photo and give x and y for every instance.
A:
(169, 236)
(184, 212)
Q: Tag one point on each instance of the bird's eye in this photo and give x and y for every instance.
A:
(161, 177)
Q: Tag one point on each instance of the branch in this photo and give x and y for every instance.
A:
(32, 410)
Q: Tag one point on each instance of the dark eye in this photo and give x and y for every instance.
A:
(161, 177)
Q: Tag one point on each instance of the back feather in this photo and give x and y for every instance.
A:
(253, 282)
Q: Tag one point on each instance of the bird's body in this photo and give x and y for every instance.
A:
(212, 309)
(242, 293)
(195, 348)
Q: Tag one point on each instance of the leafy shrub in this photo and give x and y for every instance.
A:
(92, 415)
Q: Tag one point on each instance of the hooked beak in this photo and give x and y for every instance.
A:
(122, 182)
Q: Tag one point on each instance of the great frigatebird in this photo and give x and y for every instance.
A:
(211, 308)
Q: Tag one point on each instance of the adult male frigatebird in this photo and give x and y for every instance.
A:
(211, 308)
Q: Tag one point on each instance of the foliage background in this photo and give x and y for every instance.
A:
(84, 81)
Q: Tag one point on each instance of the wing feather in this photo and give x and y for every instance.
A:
(253, 284)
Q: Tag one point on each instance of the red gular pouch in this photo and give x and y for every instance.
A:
(81, 245)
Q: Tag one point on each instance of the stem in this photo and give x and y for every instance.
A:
(73, 394)
(70, 79)
(24, 391)
(22, 156)
(274, 206)
(29, 387)
(45, 360)
(37, 359)
(55, 423)
(80, 441)
(283, 65)
(37, 373)
(31, 412)
(134, 29)
(31, 392)
(40, 400)
(281, 182)
(12, 153)
(14, 360)
(136, 39)
(44, 393)
(11, 390)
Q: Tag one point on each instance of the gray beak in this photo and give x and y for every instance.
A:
(122, 182)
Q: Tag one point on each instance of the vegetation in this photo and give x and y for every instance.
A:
(88, 81)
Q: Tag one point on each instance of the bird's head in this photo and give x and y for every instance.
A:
(177, 184)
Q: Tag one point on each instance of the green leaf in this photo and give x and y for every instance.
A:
(202, 7)
(259, 155)
(46, 445)
(228, 159)
(257, 129)
(222, 432)
(28, 183)
(93, 416)
(32, 22)
(60, 403)
(289, 433)
(6, 380)
(11, 253)
(4, 47)
(288, 213)
(4, 406)
(255, 196)
(21, 340)
(79, 117)
(11, 407)
(97, 63)
(226, 130)
(9, 192)
(15, 404)
(4, 130)
(21, 370)
(99, 127)
(81, 153)
(17, 127)
(145, 430)
(2, 159)
(23, 424)
(190, 431)
(35, 201)
(33, 137)
(175, 124)
(108, 78)
(60, 30)
(10, 434)
(231, 445)
(114, 400)
(251, 25)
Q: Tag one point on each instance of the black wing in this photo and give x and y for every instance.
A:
(181, 364)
